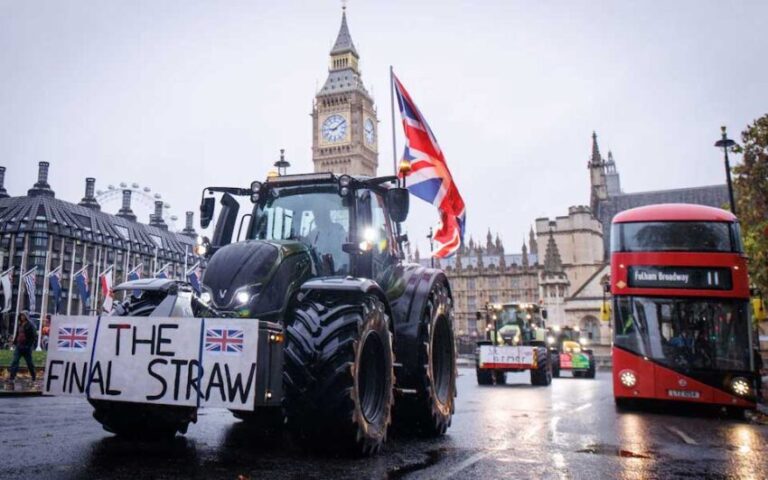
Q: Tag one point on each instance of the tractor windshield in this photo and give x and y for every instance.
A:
(318, 218)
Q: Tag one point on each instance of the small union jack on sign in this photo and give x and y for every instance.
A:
(73, 338)
(224, 340)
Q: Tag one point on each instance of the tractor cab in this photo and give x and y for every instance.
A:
(515, 324)
(318, 225)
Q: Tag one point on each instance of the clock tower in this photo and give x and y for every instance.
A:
(344, 125)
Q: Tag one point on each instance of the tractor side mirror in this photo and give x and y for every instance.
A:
(544, 313)
(398, 202)
(225, 226)
(206, 211)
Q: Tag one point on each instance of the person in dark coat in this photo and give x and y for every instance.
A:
(23, 344)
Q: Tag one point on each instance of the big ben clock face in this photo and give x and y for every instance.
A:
(370, 131)
(334, 128)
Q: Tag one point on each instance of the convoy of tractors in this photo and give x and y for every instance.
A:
(345, 339)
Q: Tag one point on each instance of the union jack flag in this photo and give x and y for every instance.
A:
(73, 338)
(30, 281)
(429, 177)
(224, 340)
(194, 275)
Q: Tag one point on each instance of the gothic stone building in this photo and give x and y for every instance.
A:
(344, 123)
(38, 229)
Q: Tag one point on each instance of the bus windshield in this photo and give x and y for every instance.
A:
(685, 333)
(675, 236)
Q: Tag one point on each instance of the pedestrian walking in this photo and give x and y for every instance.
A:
(23, 344)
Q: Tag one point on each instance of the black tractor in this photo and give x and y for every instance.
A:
(355, 338)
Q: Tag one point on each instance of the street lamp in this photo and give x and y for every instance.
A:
(725, 143)
(431, 248)
(282, 165)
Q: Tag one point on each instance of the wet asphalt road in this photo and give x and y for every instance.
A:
(570, 430)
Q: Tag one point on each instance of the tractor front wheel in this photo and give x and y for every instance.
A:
(542, 375)
(338, 374)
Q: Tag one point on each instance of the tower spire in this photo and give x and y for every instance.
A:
(596, 158)
(344, 39)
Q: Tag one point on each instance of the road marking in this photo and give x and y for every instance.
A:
(682, 435)
(469, 462)
(483, 454)
(583, 407)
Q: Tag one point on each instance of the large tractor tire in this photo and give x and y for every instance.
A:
(484, 376)
(500, 377)
(338, 374)
(541, 376)
(430, 411)
(555, 357)
(138, 420)
(590, 373)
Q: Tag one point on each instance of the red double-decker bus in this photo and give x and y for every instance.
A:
(682, 322)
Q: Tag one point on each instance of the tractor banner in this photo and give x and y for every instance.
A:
(506, 356)
(169, 361)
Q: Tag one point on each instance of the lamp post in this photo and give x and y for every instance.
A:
(725, 143)
(282, 165)
(431, 248)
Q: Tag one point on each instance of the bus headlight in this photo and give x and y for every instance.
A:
(628, 378)
(740, 386)
(550, 340)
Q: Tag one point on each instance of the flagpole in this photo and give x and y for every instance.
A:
(125, 268)
(44, 300)
(392, 105)
(21, 282)
(61, 275)
(71, 277)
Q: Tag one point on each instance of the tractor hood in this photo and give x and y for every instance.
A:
(253, 266)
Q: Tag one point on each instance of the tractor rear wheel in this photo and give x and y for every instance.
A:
(590, 373)
(542, 374)
(484, 376)
(430, 411)
(338, 374)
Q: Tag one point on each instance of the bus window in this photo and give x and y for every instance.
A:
(672, 236)
(684, 333)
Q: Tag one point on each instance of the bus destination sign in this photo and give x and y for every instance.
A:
(694, 278)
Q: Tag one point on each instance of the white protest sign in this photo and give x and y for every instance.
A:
(69, 355)
(146, 360)
(169, 361)
(505, 356)
(229, 362)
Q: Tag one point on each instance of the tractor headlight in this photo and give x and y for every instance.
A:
(740, 386)
(345, 181)
(205, 297)
(369, 239)
(628, 378)
(550, 340)
(583, 342)
(255, 191)
(242, 297)
(556, 328)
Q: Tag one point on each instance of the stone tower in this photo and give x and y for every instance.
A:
(344, 124)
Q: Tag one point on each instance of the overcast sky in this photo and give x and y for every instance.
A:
(177, 95)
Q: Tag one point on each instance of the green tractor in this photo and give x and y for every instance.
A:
(568, 351)
(516, 341)
(352, 338)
